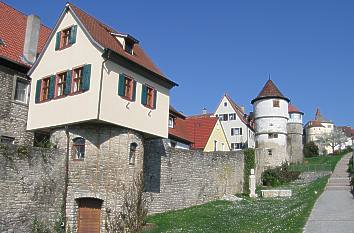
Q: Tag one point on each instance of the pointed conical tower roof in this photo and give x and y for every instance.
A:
(319, 117)
(269, 91)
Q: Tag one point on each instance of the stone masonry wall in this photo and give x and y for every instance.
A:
(104, 174)
(178, 178)
(13, 115)
(295, 145)
(31, 185)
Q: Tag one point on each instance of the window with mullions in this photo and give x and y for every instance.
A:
(78, 148)
(21, 90)
(61, 84)
(77, 79)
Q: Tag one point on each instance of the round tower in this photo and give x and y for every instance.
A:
(271, 118)
(295, 135)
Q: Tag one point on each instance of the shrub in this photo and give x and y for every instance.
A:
(279, 176)
(249, 164)
(310, 149)
(39, 227)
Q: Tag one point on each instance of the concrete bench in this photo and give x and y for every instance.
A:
(276, 193)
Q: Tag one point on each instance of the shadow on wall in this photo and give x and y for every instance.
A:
(154, 150)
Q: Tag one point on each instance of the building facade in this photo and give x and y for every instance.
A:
(21, 38)
(99, 96)
(237, 124)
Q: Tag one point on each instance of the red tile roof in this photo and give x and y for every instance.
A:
(12, 32)
(101, 33)
(270, 90)
(199, 129)
(293, 109)
(315, 124)
(179, 130)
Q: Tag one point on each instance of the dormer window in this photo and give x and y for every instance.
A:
(170, 122)
(129, 47)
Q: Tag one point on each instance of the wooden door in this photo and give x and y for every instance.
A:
(89, 215)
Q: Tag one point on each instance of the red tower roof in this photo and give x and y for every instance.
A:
(293, 109)
(270, 90)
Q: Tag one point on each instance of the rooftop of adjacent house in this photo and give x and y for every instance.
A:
(199, 129)
(12, 34)
(293, 109)
(106, 37)
(270, 90)
(176, 113)
(347, 130)
(179, 129)
(240, 113)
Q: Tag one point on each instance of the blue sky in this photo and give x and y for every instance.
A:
(210, 48)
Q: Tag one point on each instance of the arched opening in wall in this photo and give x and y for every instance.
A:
(89, 215)
(78, 148)
(132, 153)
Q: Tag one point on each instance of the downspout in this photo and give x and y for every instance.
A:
(106, 56)
(66, 179)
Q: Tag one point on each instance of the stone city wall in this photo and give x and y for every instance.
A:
(178, 178)
(31, 186)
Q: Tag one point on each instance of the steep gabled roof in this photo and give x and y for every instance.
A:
(199, 129)
(270, 90)
(12, 32)
(293, 109)
(242, 115)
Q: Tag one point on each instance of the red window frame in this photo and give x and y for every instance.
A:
(60, 80)
(45, 84)
(129, 87)
(76, 82)
(150, 96)
(65, 38)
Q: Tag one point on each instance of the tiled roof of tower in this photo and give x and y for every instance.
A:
(315, 124)
(101, 33)
(199, 129)
(12, 32)
(293, 109)
(270, 90)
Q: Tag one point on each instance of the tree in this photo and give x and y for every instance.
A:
(332, 139)
(310, 149)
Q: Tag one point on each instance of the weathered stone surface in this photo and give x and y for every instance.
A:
(31, 185)
(180, 178)
(13, 115)
(276, 193)
(295, 146)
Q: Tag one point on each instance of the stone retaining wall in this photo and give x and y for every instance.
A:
(178, 178)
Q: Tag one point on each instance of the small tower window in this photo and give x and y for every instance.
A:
(225, 104)
(270, 152)
(276, 104)
(132, 152)
(78, 148)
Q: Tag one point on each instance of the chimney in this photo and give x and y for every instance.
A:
(31, 39)
(204, 111)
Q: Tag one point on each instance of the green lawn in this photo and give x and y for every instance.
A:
(248, 215)
(320, 163)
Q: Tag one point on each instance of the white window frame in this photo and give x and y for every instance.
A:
(23, 80)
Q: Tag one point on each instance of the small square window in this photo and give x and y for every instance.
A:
(65, 37)
(170, 122)
(272, 135)
(270, 152)
(7, 140)
(276, 104)
(129, 47)
(21, 90)
(225, 104)
(232, 116)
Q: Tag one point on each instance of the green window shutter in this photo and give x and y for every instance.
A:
(38, 91)
(144, 95)
(57, 42)
(121, 85)
(51, 87)
(134, 91)
(155, 98)
(67, 90)
(86, 77)
(73, 33)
